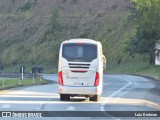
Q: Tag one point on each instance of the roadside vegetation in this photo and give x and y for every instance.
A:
(146, 16)
(32, 30)
(137, 68)
(6, 83)
(36, 41)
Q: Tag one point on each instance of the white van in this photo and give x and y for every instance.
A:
(80, 69)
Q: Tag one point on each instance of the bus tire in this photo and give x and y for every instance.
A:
(95, 98)
(64, 97)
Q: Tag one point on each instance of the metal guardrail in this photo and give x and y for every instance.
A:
(18, 75)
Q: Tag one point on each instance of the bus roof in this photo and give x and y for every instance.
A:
(81, 40)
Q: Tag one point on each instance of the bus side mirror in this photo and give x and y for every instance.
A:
(104, 62)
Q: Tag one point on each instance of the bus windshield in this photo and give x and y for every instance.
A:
(79, 52)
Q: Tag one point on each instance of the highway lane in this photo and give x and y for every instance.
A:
(121, 93)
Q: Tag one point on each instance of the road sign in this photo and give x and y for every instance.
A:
(22, 69)
(157, 54)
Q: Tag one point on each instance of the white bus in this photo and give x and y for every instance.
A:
(80, 69)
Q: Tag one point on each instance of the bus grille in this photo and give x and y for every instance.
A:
(75, 65)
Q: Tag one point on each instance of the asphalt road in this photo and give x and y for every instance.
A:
(121, 93)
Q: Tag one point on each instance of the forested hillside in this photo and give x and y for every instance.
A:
(32, 30)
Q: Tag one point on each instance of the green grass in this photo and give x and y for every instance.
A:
(139, 68)
(9, 83)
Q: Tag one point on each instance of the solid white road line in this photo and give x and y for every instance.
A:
(71, 108)
(102, 108)
(6, 106)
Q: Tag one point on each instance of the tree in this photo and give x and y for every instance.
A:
(147, 20)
